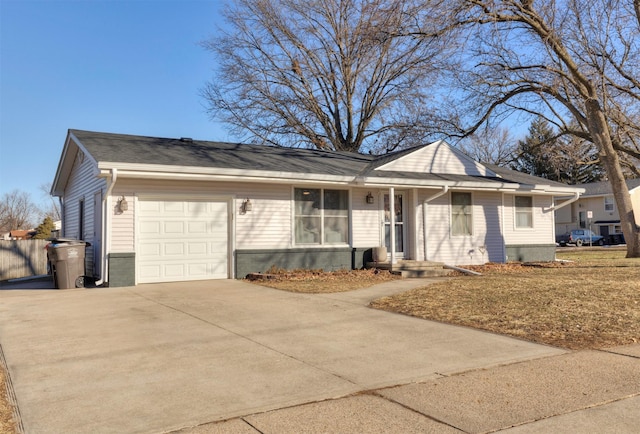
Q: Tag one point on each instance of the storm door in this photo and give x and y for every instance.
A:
(399, 225)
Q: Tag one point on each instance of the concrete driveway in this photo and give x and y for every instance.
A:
(161, 357)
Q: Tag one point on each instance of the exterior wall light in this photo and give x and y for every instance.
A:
(369, 198)
(122, 204)
(247, 206)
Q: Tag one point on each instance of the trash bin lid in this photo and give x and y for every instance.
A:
(67, 241)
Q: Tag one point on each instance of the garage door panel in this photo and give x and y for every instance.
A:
(174, 270)
(149, 250)
(150, 227)
(150, 206)
(195, 248)
(199, 227)
(173, 249)
(171, 227)
(182, 241)
(149, 273)
(169, 208)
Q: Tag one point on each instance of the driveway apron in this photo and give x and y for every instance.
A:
(161, 357)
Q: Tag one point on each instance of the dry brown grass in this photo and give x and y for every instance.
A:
(593, 302)
(7, 424)
(318, 281)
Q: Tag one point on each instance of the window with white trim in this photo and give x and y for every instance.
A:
(321, 216)
(461, 214)
(608, 203)
(81, 219)
(524, 211)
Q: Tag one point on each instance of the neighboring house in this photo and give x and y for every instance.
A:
(21, 234)
(597, 201)
(157, 209)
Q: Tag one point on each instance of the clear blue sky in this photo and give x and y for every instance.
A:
(124, 66)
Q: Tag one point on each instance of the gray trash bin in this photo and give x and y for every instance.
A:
(67, 263)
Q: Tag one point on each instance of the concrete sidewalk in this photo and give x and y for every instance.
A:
(157, 358)
(581, 392)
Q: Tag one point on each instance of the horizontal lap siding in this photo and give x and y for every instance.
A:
(122, 224)
(267, 225)
(366, 221)
(543, 222)
(82, 184)
(462, 250)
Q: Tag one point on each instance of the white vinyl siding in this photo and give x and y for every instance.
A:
(122, 224)
(486, 243)
(266, 226)
(438, 157)
(82, 186)
(366, 221)
(541, 233)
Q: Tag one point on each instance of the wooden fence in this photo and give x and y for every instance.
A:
(22, 258)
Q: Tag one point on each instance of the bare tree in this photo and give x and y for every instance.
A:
(326, 74)
(52, 209)
(16, 211)
(490, 145)
(575, 63)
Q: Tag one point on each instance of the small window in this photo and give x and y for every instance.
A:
(608, 203)
(524, 211)
(461, 214)
(321, 216)
(81, 219)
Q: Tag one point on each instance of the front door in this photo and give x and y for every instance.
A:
(400, 228)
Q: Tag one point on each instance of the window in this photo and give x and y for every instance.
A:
(608, 204)
(461, 214)
(524, 211)
(321, 216)
(81, 219)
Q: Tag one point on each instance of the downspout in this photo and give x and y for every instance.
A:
(61, 214)
(444, 191)
(105, 224)
(575, 197)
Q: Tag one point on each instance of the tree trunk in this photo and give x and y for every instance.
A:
(597, 125)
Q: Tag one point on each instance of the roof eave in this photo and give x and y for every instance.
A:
(149, 171)
(71, 148)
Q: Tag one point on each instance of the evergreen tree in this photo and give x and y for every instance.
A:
(534, 153)
(43, 231)
(563, 159)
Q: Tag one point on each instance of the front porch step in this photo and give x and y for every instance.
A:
(408, 268)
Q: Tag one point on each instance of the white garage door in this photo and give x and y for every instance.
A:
(182, 240)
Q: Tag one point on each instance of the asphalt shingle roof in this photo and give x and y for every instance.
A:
(123, 148)
(521, 178)
(604, 187)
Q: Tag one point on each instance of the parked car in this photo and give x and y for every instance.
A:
(580, 237)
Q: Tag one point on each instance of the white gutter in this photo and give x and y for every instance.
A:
(106, 224)
(444, 191)
(575, 197)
